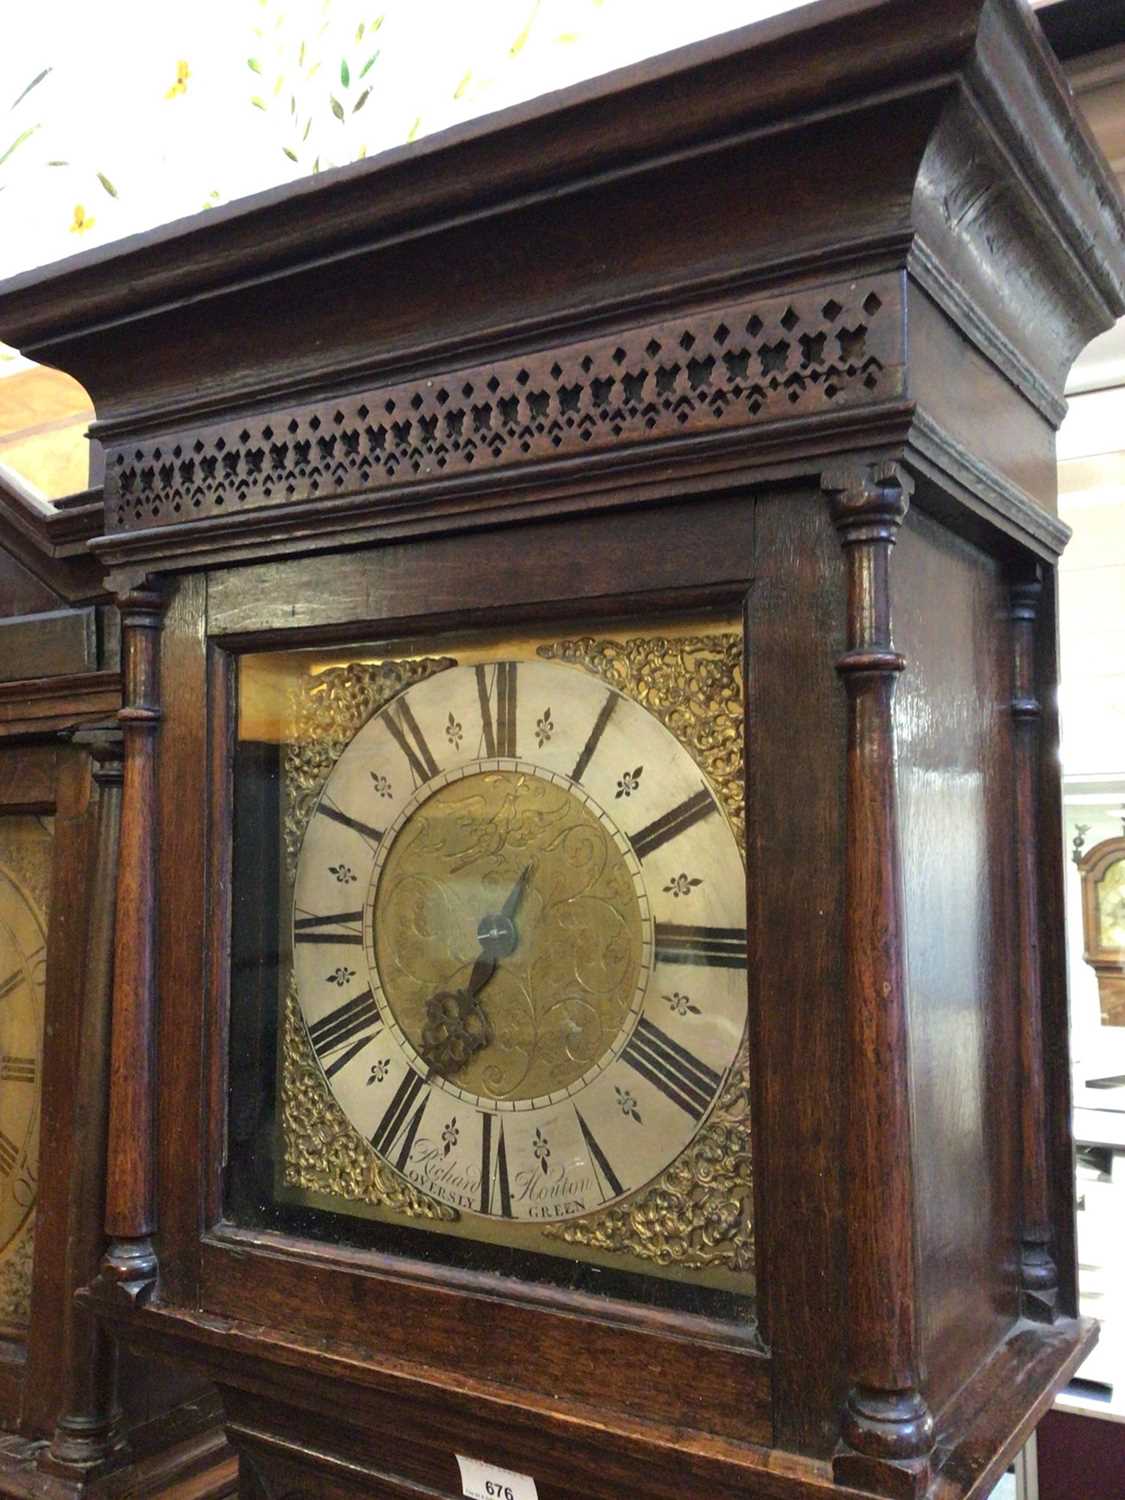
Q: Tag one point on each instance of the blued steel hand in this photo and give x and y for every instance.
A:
(497, 934)
(456, 1025)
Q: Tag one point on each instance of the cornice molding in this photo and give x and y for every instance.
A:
(53, 543)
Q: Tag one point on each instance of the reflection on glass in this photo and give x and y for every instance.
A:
(489, 962)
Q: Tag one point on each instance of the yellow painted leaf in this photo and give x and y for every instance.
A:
(109, 187)
(279, 85)
(292, 155)
(183, 73)
(567, 36)
(459, 91)
(521, 41)
(254, 64)
(360, 29)
(362, 153)
(258, 103)
(414, 129)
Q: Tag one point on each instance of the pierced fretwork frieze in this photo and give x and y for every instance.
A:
(828, 348)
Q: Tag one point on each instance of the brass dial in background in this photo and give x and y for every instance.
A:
(25, 853)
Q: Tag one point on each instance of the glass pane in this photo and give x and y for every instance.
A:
(489, 967)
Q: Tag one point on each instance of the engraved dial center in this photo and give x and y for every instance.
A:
(562, 926)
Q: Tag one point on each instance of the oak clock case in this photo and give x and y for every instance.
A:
(507, 1023)
(777, 326)
(78, 1418)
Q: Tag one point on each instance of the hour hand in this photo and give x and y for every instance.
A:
(456, 1027)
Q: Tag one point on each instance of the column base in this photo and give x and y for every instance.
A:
(128, 1273)
(887, 1441)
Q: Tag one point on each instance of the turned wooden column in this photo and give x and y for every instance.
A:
(129, 1265)
(887, 1428)
(1038, 1274)
(88, 1437)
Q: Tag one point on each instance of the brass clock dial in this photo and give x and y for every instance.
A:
(1111, 906)
(23, 958)
(519, 940)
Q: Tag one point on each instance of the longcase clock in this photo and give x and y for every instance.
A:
(77, 1417)
(589, 1010)
(1102, 871)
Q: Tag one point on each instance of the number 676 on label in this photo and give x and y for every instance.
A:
(480, 1481)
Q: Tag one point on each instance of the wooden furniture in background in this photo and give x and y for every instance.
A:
(1102, 871)
(77, 1423)
(779, 326)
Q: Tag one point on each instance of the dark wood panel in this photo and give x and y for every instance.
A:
(59, 642)
(953, 736)
(46, 704)
(554, 566)
(182, 793)
(661, 1371)
(60, 1186)
(1053, 857)
(994, 425)
(21, 593)
(795, 792)
(28, 778)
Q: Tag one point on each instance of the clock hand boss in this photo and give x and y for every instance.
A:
(456, 1025)
(497, 934)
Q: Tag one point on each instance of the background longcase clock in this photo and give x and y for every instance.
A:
(571, 1079)
(78, 1418)
(1102, 870)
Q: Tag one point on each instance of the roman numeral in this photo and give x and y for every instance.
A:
(411, 741)
(9, 1153)
(339, 1026)
(594, 736)
(12, 982)
(600, 1159)
(391, 1131)
(713, 947)
(499, 736)
(305, 928)
(673, 823)
(365, 830)
(17, 1069)
(494, 1172)
(672, 1069)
